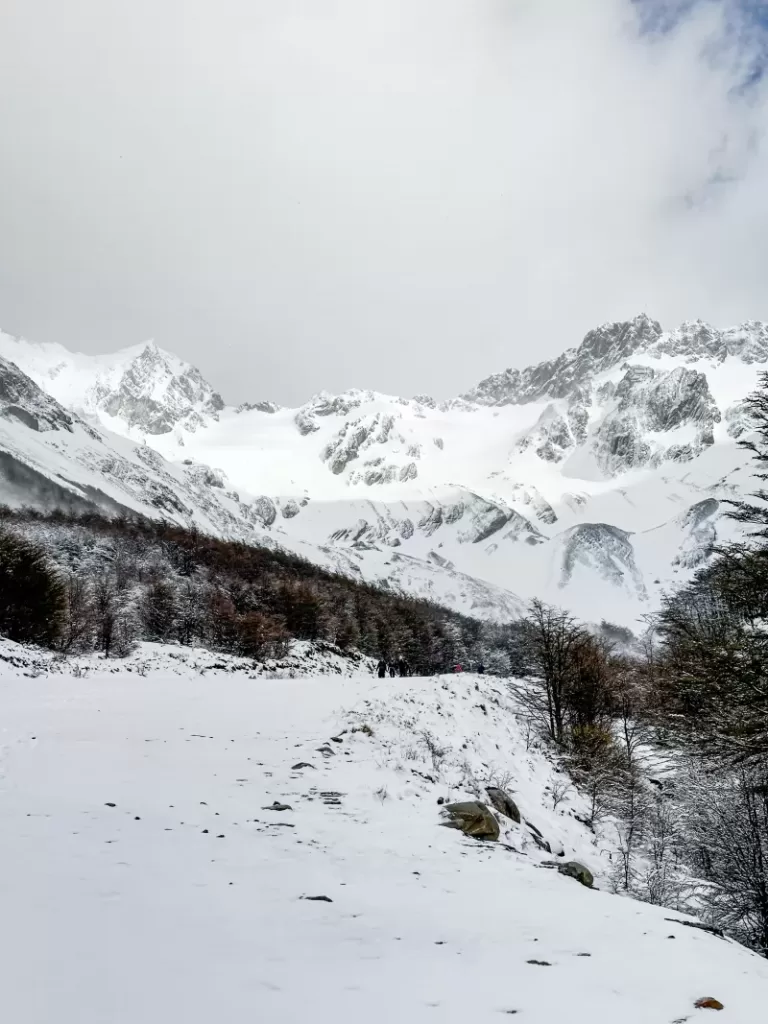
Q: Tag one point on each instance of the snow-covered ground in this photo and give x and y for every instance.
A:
(143, 880)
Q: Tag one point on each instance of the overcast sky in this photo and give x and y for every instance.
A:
(398, 194)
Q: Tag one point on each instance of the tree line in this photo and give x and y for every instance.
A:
(668, 736)
(89, 582)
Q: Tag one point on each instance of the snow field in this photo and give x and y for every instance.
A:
(183, 901)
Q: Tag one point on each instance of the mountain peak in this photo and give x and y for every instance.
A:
(609, 345)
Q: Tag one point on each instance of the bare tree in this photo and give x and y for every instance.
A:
(727, 841)
(551, 638)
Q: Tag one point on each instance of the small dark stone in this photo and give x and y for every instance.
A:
(540, 963)
(137, 818)
(441, 799)
(204, 831)
(302, 764)
(110, 805)
(221, 836)
(318, 899)
(277, 806)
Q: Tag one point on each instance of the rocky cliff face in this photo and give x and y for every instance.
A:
(610, 345)
(600, 350)
(599, 472)
(155, 393)
(649, 403)
(22, 400)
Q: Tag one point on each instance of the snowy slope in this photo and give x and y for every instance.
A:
(580, 480)
(146, 882)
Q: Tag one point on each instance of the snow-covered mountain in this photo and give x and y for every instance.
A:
(593, 480)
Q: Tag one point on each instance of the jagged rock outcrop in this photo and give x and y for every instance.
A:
(156, 392)
(289, 509)
(604, 550)
(600, 350)
(356, 436)
(269, 407)
(699, 534)
(648, 402)
(21, 399)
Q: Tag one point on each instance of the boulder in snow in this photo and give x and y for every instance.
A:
(503, 803)
(472, 818)
(572, 869)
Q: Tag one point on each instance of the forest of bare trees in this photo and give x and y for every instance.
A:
(668, 736)
(92, 583)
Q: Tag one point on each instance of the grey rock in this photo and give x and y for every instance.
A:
(289, 509)
(157, 393)
(600, 350)
(604, 550)
(503, 803)
(572, 869)
(473, 819)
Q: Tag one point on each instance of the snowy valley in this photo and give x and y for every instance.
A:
(243, 820)
(183, 841)
(593, 481)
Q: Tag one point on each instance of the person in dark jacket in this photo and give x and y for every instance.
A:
(481, 669)
(393, 670)
(382, 668)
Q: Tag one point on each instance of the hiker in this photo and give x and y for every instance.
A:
(457, 668)
(402, 667)
(481, 669)
(392, 671)
(382, 668)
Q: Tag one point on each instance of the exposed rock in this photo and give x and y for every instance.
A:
(156, 392)
(473, 819)
(600, 350)
(708, 1003)
(604, 550)
(277, 806)
(700, 534)
(654, 402)
(503, 803)
(289, 509)
(739, 419)
(264, 510)
(305, 422)
(268, 407)
(355, 436)
(23, 400)
(572, 869)
(426, 400)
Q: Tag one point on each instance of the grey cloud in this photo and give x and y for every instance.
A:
(307, 194)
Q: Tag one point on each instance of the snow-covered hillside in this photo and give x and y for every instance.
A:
(147, 876)
(593, 481)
